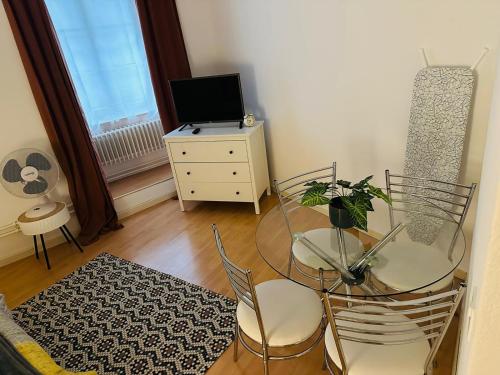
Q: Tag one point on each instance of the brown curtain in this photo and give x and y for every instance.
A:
(166, 52)
(62, 116)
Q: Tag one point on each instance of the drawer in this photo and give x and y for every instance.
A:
(212, 172)
(217, 191)
(205, 152)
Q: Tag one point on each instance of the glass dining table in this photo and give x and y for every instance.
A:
(413, 247)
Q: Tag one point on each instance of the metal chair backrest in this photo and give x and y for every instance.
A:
(290, 191)
(241, 281)
(392, 322)
(444, 201)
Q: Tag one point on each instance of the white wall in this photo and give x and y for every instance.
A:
(330, 77)
(20, 126)
(333, 78)
(481, 335)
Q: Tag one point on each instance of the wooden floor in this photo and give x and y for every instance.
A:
(181, 244)
(139, 181)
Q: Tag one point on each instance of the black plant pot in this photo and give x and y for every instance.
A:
(339, 216)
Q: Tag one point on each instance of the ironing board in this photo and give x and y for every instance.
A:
(439, 115)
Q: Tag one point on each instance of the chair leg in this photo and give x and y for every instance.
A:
(326, 366)
(45, 252)
(236, 339)
(323, 366)
(265, 358)
(434, 362)
(73, 238)
(64, 234)
(35, 242)
(290, 260)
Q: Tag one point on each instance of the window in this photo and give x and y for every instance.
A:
(102, 44)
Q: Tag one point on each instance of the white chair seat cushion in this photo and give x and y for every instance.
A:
(326, 239)
(363, 359)
(407, 265)
(291, 313)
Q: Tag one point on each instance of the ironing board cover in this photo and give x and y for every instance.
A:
(439, 114)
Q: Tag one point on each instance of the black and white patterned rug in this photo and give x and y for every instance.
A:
(117, 317)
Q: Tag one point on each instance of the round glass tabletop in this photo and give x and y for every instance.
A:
(413, 246)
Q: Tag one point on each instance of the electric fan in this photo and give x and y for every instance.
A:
(30, 173)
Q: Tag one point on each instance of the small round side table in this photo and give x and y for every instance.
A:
(44, 218)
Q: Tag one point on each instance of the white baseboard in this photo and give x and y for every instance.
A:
(136, 201)
(26, 252)
(18, 246)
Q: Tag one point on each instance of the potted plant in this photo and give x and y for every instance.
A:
(350, 203)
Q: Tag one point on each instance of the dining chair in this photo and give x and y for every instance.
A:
(275, 314)
(290, 192)
(386, 338)
(431, 207)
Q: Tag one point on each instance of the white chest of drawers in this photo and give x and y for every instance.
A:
(221, 163)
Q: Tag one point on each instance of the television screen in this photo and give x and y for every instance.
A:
(208, 99)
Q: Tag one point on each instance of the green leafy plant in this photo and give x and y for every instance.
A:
(356, 198)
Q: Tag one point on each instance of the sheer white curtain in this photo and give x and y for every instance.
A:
(102, 44)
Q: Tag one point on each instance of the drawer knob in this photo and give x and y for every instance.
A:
(188, 173)
(231, 151)
(234, 173)
(237, 193)
(183, 152)
(192, 191)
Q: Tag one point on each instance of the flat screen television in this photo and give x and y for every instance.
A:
(208, 99)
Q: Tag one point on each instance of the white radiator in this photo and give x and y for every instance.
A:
(131, 149)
